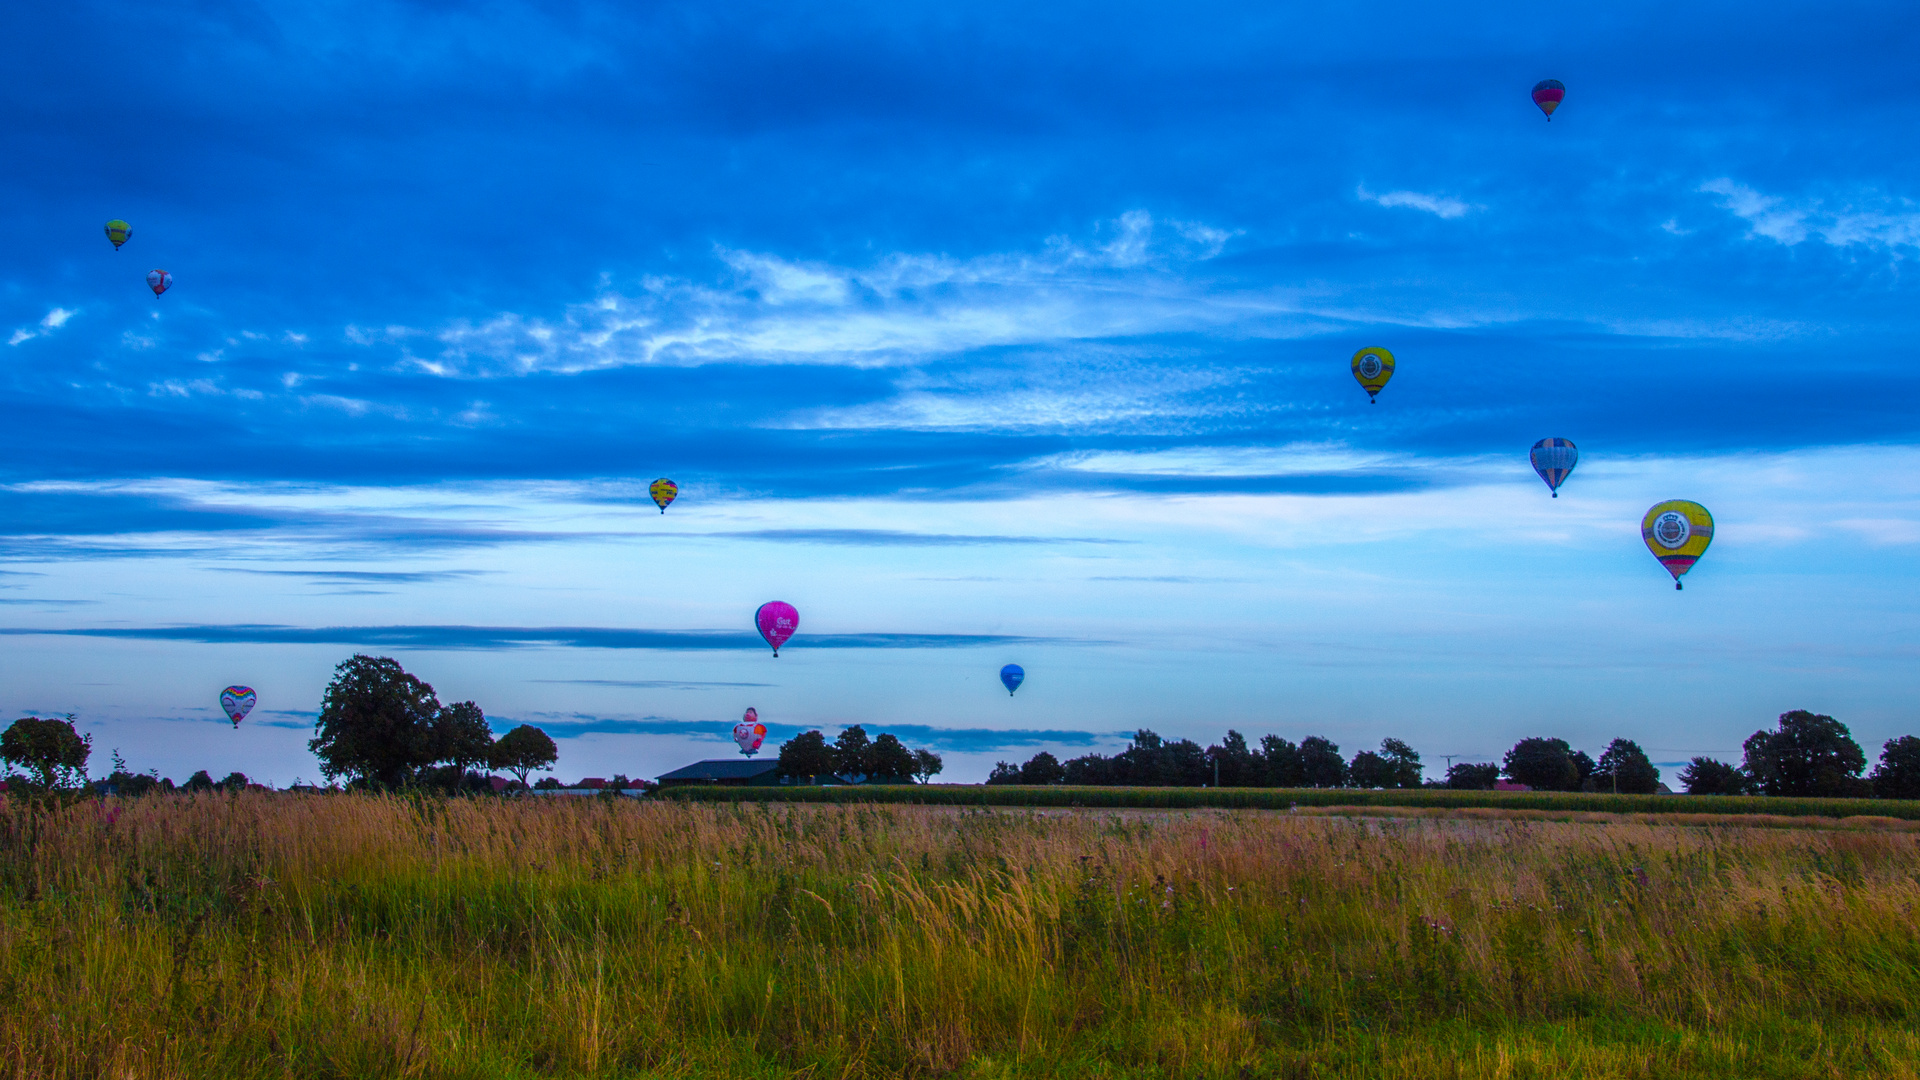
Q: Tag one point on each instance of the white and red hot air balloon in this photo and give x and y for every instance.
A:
(750, 733)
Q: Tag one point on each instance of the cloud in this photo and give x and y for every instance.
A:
(358, 577)
(651, 684)
(1884, 223)
(54, 320)
(516, 637)
(1441, 206)
(1127, 279)
(897, 538)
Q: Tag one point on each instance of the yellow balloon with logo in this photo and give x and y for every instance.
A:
(118, 232)
(1372, 367)
(1677, 532)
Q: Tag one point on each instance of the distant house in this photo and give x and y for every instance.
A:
(592, 783)
(725, 772)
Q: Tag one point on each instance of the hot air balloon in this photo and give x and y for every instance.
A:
(237, 702)
(1372, 368)
(777, 621)
(1677, 532)
(663, 490)
(1548, 93)
(1011, 677)
(1554, 459)
(159, 281)
(119, 232)
(750, 733)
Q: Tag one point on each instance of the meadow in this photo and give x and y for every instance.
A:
(277, 935)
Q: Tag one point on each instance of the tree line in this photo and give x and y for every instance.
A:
(1806, 754)
(808, 758)
(379, 728)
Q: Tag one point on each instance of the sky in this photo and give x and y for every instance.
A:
(980, 333)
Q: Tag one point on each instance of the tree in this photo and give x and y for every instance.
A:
(1543, 765)
(1090, 770)
(1320, 763)
(523, 750)
(200, 781)
(926, 765)
(54, 755)
(1624, 768)
(461, 736)
(1808, 754)
(1235, 764)
(850, 753)
(376, 723)
(806, 757)
(1467, 777)
(1898, 774)
(1280, 764)
(888, 760)
(235, 781)
(1004, 772)
(1705, 776)
(1042, 768)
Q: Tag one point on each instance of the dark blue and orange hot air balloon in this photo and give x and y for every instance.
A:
(1554, 460)
(1548, 93)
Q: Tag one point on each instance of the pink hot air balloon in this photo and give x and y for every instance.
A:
(777, 621)
(750, 733)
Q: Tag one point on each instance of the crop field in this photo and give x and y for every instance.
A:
(276, 935)
(1182, 798)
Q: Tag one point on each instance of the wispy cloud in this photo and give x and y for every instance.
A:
(652, 684)
(954, 740)
(518, 637)
(54, 320)
(1878, 222)
(1129, 278)
(1441, 206)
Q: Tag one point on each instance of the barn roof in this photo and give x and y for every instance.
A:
(721, 769)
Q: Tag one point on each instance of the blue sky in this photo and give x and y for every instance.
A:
(981, 334)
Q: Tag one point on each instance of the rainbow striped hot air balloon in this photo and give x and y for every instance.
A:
(1554, 459)
(1548, 93)
(1677, 532)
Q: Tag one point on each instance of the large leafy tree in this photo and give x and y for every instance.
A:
(889, 760)
(1042, 768)
(850, 752)
(1236, 765)
(926, 765)
(1705, 776)
(1466, 776)
(1321, 765)
(1808, 754)
(806, 757)
(1898, 774)
(523, 750)
(1625, 768)
(54, 755)
(1542, 764)
(1280, 764)
(382, 726)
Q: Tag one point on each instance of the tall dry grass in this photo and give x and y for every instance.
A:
(313, 936)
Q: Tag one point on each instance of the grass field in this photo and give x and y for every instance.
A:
(1171, 798)
(261, 935)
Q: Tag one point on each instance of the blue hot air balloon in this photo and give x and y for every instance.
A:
(1012, 676)
(1554, 459)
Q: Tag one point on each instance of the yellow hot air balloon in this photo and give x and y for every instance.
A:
(1677, 532)
(663, 491)
(119, 232)
(1371, 369)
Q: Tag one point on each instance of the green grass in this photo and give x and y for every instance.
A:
(1286, 798)
(361, 936)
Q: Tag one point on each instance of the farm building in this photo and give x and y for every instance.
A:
(725, 772)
